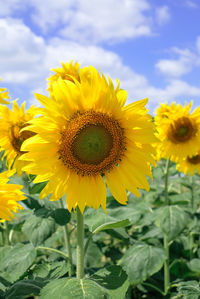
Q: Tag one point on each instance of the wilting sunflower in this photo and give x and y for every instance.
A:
(3, 95)
(189, 164)
(10, 194)
(11, 137)
(86, 138)
(179, 133)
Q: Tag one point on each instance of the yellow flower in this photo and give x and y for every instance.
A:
(86, 138)
(10, 194)
(190, 164)
(164, 111)
(179, 133)
(11, 136)
(3, 95)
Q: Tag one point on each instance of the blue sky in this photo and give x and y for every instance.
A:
(152, 46)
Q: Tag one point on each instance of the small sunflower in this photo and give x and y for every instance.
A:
(179, 133)
(164, 111)
(3, 95)
(189, 164)
(68, 71)
(10, 194)
(86, 138)
(11, 136)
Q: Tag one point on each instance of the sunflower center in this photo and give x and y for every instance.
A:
(91, 143)
(181, 130)
(17, 137)
(194, 159)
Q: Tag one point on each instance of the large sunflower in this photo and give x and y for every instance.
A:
(190, 164)
(3, 95)
(11, 137)
(179, 132)
(10, 194)
(86, 138)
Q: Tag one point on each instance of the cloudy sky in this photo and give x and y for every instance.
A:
(152, 46)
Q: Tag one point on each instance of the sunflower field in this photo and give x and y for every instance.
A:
(98, 199)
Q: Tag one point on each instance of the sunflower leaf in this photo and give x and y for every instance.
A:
(16, 260)
(114, 279)
(69, 288)
(141, 261)
(24, 289)
(38, 229)
(172, 220)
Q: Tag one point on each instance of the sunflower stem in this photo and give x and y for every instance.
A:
(166, 243)
(192, 193)
(166, 173)
(67, 242)
(80, 245)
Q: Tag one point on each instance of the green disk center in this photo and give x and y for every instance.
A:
(92, 144)
(183, 131)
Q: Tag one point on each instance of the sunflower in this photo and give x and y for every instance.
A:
(3, 95)
(10, 194)
(189, 164)
(179, 132)
(86, 138)
(164, 111)
(11, 137)
(68, 71)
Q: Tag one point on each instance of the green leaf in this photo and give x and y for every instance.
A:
(24, 289)
(38, 229)
(16, 261)
(37, 188)
(69, 288)
(114, 280)
(172, 220)
(141, 261)
(188, 290)
(61, 216)
(93, 255)
(194, 265)
(98, 221)
(52, 270)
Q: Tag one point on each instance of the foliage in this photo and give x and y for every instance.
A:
(124, 253)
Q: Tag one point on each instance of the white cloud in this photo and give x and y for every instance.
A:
(22, 52)
(191, 4)
(26, 60)
(162, 15)
(183, 64)
(95, 21)
(108, 20)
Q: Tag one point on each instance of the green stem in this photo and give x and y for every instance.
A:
(80, 245)
(166, 243)
(192, 193)
(87, 243)
(166, 265)
(166, 173)
(6, 232)
(53, 250)
(67, 242)
(153, 287)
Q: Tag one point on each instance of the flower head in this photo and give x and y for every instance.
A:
(10, 194)
(86, 137)
(179, 132)
(68, 72)
(3, 95)
(189, 164)
(11, 134)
